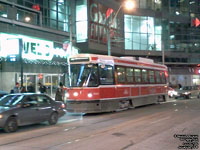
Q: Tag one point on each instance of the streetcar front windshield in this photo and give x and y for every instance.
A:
(83, 75)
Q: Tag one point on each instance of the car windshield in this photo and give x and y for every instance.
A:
(10, 100)
(186, 88)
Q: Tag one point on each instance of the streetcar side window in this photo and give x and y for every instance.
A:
(121, 75)
(151, 76)
(129, 75)
(137, 74)
(158, 79)
(106, 74)
(144, 76)
(163, 77)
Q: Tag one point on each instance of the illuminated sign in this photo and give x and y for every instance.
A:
(195, 22)
(32, 48)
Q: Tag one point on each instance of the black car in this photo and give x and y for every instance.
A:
(2, 93)
(28, 108)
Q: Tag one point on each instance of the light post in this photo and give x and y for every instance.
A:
(129, 5)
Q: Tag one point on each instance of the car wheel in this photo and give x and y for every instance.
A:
(53, 118)
(11, 125)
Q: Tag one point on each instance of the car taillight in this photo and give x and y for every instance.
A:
(62, 105)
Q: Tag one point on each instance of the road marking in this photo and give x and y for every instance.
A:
(169, 101)
(160, 120)
(70, 120)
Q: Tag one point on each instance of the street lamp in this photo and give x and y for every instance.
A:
(129, 5)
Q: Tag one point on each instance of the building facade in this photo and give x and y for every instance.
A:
(39, 32)
(34, 42)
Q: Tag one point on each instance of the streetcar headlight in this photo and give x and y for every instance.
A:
(67, 95)
(75, 93)
(1, 116)
(89, 95)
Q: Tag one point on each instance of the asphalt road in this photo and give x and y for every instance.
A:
(165, 126)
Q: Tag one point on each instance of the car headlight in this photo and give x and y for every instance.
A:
(175, 93)
(186, 93)
(1, 116)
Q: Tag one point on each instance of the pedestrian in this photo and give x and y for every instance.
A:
(16, 88)
(59, 92)
(31, 88)
(23, 89)
(42, 88)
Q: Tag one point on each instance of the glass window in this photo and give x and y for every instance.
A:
(137, 74)
(144, 76)
(136, 22)
(81, 21)
(136, 41)
(128, 43)
(106, 74)
(158, 42)
(163, 77)
(3, 10)
(30, 101)
(144, 41)
(121, 75)
(142, 33)
(143, 4)
(158, 79)
(129, 75)
(151, 77)
(128, 25)
(144, 25)
(43, 100)
(150, 25)
(84, 75)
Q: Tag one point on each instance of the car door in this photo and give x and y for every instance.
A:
(29, 113)
(44, 107)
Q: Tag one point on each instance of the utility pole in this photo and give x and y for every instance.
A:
(21, 60)
(163, 53)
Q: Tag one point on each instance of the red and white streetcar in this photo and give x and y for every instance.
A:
(99, 83)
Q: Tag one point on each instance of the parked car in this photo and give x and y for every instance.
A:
(188, 92)
(172, 92)
(2, 93)
(28, 108)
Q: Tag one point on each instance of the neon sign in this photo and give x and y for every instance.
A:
(33, 48)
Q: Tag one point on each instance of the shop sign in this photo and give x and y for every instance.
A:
(32, 48)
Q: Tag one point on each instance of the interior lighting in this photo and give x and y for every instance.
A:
(177, 13)
(27, 19)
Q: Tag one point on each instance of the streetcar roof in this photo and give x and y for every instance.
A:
(113, 60)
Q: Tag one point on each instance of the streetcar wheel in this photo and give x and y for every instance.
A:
(53, 118)
(11, 125)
